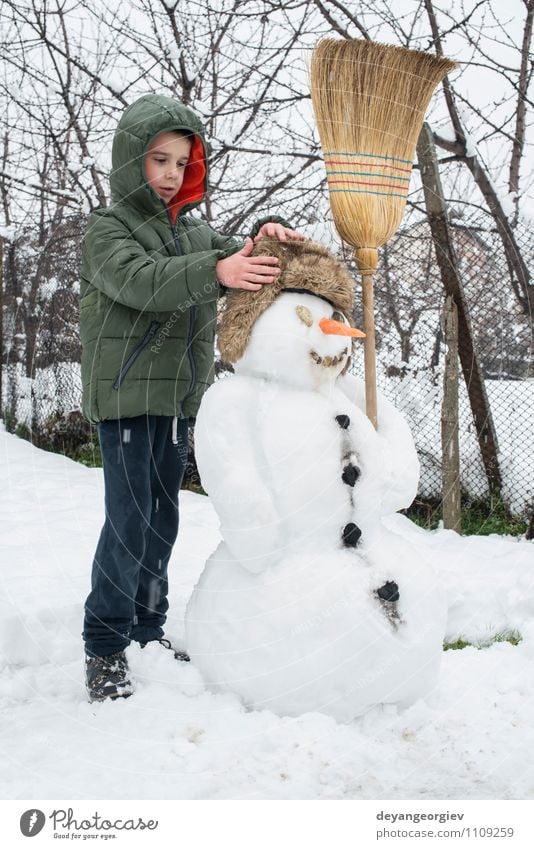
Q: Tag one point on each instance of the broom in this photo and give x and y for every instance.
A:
(369, 101)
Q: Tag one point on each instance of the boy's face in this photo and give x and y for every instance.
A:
(165, 164)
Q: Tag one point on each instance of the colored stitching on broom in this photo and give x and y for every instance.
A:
(365, 174)
(363, 192)
(363, 183)
(369, 165)
(367, 156)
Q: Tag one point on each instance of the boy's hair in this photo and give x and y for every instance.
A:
(183, 134)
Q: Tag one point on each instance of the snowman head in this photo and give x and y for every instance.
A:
(301, 339)
(313, 290)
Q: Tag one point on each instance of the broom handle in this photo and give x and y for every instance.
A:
(369, 348)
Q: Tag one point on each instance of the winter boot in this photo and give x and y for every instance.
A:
(179, 655)
(107, 677)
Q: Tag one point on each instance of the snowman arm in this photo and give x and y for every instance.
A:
(249, 520)
(399, 455)
(228, 468)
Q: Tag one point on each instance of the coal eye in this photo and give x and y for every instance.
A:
(337, 315)
(304, 314)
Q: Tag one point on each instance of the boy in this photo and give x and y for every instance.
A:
(150, 280)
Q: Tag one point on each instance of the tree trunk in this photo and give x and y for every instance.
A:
(1, 324)
(446, 257)
(450, 448)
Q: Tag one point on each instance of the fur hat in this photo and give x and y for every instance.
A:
(304, 265)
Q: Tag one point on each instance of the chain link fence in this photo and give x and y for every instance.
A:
(409, 303)
(41, 387)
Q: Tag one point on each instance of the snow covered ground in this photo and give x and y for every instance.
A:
(470, 739)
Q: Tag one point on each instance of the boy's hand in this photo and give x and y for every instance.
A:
(272, 230)
(242, 271)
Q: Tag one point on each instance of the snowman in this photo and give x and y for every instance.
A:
(310, 601)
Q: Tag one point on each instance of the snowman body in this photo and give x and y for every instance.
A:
(286, 612)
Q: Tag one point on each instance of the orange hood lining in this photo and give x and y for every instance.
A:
(192, 188)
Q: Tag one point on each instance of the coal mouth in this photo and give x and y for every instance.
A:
(328, 362)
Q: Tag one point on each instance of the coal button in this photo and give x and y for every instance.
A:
(389, 592)
(343, 421)
(350, 474)
(351, 534)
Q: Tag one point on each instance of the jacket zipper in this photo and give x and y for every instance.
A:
(151, 332)
(192, 316)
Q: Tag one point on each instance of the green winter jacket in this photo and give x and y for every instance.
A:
(148, 285)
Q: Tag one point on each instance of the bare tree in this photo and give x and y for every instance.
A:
(70, 68)
(460, 147)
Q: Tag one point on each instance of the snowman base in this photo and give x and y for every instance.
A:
(311, 633)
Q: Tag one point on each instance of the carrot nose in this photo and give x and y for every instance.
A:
(328, 325)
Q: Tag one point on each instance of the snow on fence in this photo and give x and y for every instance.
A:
(409, 301)
(418, 394)
(419, 397)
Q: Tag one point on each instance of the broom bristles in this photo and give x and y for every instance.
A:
(370, 101)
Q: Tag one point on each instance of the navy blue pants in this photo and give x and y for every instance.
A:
(143, 470)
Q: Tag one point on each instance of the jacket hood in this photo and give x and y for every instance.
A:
(140, 123)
